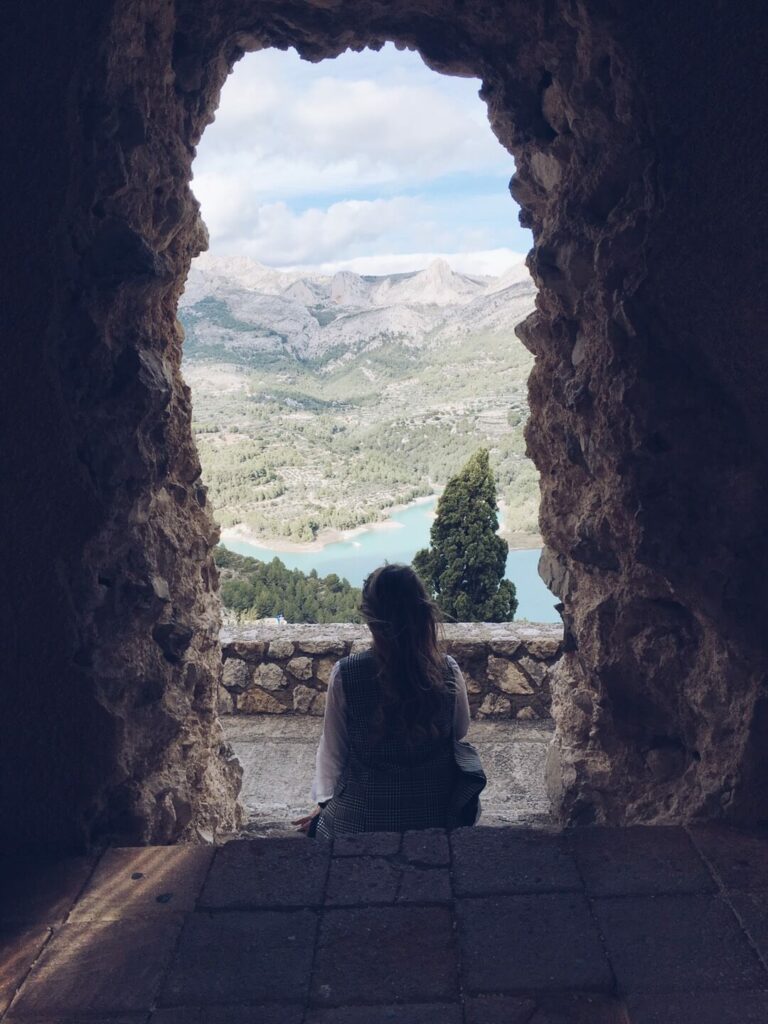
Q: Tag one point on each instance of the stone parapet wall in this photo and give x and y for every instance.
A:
(285, 669)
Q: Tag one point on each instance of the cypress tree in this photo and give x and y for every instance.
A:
(464, 566)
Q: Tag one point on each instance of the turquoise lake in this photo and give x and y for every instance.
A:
(354, 559)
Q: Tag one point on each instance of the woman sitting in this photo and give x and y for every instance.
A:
(386, 760)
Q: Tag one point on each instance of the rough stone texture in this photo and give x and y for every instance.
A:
(506, 666)
(641, 174)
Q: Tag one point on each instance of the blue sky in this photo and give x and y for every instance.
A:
(370, 161)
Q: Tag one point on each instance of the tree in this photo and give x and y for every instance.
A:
(464, 566)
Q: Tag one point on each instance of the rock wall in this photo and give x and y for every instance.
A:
(640, 168)
(280, 670)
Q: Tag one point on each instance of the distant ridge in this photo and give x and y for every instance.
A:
(308, 315)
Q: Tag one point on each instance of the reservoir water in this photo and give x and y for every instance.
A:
(355, 558)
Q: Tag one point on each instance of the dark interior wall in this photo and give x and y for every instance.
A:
(669, 659)
(637, 137)
(107, 722)
(47, 510)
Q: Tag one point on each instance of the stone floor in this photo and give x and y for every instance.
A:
(482, 926)
(278, 758)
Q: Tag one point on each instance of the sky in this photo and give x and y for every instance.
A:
(370, 162)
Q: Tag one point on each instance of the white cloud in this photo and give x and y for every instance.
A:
(278, 236)
(365, 155)
(291, 126)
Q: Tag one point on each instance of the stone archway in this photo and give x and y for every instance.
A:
(655, 546)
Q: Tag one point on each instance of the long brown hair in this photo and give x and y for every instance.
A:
(412, 669)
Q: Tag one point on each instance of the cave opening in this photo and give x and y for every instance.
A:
(654, 543)
(349, 343)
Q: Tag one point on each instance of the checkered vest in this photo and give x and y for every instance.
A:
(385, 786)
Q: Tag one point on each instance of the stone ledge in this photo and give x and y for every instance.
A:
(284, 669)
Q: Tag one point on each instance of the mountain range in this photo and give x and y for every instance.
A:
(321, 401)
(310, 316)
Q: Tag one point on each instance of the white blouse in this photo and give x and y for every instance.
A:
(332, 749)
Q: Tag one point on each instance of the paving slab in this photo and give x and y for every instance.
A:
(569, 1008)
(41, 890)
(424, 1013)
(752, 911)
(499, 1010)
(677, 944)
(639, 861)
(424, 885)
(490, 860)
(354, 880)
(120, 1018)
(429, 846)
(385, 955)
(699, 1008)
(144, 880)
(278, 1014)
(260, 956)
(19, 947)
(367, 844)
(739, 859)
(99, 967)
(523, 943)
(267, 873)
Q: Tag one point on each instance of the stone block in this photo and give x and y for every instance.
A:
(270, 677)
(323, 669)
(279, 649)
(226, 705)
(322, 645)
(508, 676)
(424, 885)
(699, 1008)
(266, 873)
(537, 670)
(371, 844)
(251, 651)
(390, 955)
(300, 668)
(543, 647)
(359, 646)
(276, 1013)
(255, 956)
(19, 947)
(237, 675)
(154, 880)
(472, 684)
(302, 699)
(752, 911)
(639, 861)
(318, 705)
(427, 846)
(547, 1008)
(523, 943)
(100, 967)
(506, 648)
(354, 880)
(494, 706)
(256, 702)
(490, 860)
(465, 651)
(426, 1013)
(41, 890)
(526, 714)
(677, 944)
(740, 859)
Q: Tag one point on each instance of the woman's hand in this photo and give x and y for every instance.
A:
(302, 824)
